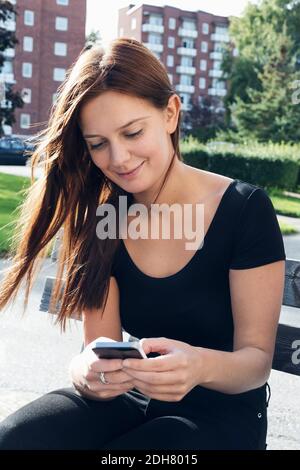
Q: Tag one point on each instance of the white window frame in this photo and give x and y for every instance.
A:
(133, 23)
(202, 83)
(60, 49)
(172, 23)
(56, 72)
(23, 118)
(205, 28)
(204, 46)
(58, 23)
(170, 61)
(29, 17)
(64, 3)
(203, 65)
(28, 66)
(26, 95)
(171, 42)
(27, 44)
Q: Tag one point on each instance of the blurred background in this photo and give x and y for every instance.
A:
(235, 66)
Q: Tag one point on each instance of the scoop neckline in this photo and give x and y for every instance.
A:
(184, 268)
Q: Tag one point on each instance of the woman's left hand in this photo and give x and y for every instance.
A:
(168, 377)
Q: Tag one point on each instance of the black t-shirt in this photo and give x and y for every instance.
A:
(194, 304)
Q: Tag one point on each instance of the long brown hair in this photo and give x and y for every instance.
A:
(72, 187)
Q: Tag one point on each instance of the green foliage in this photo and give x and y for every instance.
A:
(261, 77)
(7, 40)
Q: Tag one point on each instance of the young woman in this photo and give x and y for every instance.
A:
(206, 317)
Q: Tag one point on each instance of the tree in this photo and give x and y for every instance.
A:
(93, 38)
(259, 69)
(8, 39)
(204, 119)
(270, 113)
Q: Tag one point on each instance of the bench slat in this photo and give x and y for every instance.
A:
(291, 296)
(286, 356)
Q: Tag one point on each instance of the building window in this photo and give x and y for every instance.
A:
(172, 23)
(170, 60)
(61, 23)
(204, 46)
(203, 64)
(133, 23)
(24, 121)
(205, 28)
(188, 24)
(219, 84)
(187, 61)
(54, 98)
(217, 65)
(60, 48)
(154, 38)
(170, 77)
(171, 42)
(156, 20)
(186, 80)
(27, 44)
(29, 18)
(26, 70)
(62, 2)
(7, 67)
(26, 95)
(188, 43)
(59, 74)
(202, 83)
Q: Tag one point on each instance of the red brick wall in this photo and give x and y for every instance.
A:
(42, 58)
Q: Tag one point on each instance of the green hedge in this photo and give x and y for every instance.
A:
(265, 165)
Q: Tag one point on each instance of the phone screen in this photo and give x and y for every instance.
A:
(117, 353)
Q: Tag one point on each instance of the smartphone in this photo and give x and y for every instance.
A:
(118, 349)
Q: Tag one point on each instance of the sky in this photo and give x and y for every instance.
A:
(102, 15)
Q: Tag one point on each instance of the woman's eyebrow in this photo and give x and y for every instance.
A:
(122, 127)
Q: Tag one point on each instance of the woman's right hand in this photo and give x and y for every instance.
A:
(85, 368)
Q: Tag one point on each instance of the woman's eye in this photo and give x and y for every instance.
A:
(130, 136)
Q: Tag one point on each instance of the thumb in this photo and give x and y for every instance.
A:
(161, 345)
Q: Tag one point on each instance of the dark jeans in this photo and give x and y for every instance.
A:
(63, 419)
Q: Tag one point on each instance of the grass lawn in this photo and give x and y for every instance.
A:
(285, 205)
(11, 190)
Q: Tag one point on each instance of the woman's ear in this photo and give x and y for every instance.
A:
(172, 113)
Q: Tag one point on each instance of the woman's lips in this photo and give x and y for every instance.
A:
(132, 173)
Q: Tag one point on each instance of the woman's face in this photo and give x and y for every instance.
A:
(118, 145)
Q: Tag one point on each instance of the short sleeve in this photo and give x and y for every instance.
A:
(258, 239)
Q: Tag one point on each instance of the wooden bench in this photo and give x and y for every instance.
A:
(287, 349)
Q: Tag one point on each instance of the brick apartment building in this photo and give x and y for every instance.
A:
(188, 43)
(51, 34)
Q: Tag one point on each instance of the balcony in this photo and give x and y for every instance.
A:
(9, 52)
(217, 91)
(186, 70)
(220, 37)
(154, 47)
(185, 88)
(215, 73)
(9, 25)
(216, 55)
(7, 77)
(152, 28)
(187, 51)
(186, 107)
(188, 33)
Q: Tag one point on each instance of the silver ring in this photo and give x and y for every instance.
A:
(102, 378)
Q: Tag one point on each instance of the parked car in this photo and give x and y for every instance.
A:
(14, 151)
